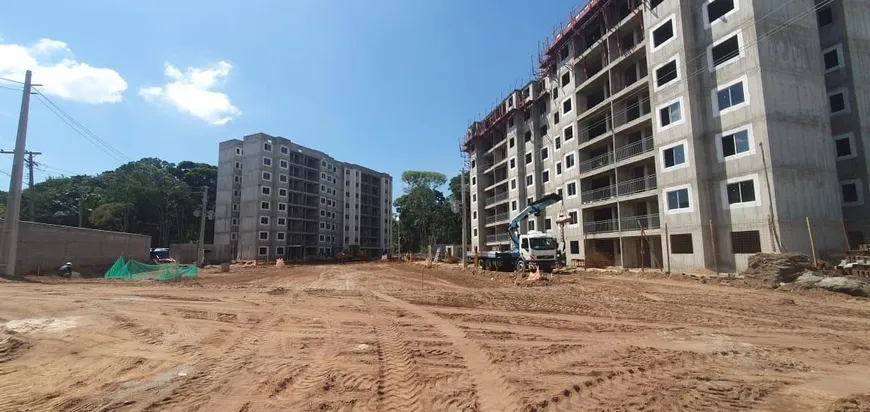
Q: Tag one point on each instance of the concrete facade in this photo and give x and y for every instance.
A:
(43, 247)
(681, 134)
(276, 198)
(844, 36)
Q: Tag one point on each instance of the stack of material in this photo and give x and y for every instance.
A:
(857, 262)
(776, 268)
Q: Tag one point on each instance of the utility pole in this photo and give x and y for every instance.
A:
(30, 185)
(30, 165)
(201, 248)
(13, 204)
(464, 205)
(81, 208)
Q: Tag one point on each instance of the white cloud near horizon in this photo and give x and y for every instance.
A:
(192, 92)
(55, 68)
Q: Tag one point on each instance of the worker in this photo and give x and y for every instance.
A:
(66, 269)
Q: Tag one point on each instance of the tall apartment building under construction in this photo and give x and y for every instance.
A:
(686, 134)
(277, 199)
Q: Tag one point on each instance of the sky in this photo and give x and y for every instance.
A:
(388, 84)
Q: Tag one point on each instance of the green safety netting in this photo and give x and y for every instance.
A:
(133, 270)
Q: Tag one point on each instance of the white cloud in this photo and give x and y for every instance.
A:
(192, 92)
(55, 68)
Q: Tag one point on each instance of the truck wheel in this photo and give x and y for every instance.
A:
(521, 266)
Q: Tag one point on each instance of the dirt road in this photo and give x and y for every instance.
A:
(400, 337)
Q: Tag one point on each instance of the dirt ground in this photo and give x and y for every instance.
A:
(401, 337)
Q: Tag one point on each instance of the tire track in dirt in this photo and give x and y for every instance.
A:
(302, 385)
(198, 389)
(494, 393)
(573, 356)
(399, 385)
(294, 388)
(677, 381)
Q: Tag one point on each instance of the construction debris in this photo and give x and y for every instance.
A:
(839, 284)
(776, 268)
(857, 262)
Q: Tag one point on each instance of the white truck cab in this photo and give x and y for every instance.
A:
(538, 248)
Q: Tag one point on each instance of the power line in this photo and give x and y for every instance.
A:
(57, 169)
(10, 80)
(81, 129)
(11, 88)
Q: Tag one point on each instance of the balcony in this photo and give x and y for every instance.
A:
(497, 218)
(643, 146)
(629, 187)
(503, 237)
(625, 224)
(596, 162)
(497, 198)
(601, 226)
(633, 149)
(640, 222)
(641, 184)
(596, 195)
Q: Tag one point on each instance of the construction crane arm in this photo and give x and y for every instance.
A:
(533, 208)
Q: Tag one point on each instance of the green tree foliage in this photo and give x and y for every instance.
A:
(414, 179)
(425, 213)
(112, 216)
(149, 196)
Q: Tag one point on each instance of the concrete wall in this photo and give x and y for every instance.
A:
(43, 247)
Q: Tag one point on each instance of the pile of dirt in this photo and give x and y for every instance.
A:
(839, 284)
(854, 403)
(277, 291)
(776, 268)
(11, 346)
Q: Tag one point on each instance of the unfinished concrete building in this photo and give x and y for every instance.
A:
(278, 199)
(844, 37)
(682, 134)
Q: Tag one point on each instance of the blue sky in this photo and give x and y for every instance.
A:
(390, 84)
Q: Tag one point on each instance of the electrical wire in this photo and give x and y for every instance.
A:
(11, 88)
(59, 169)
(10, 80)
(81, 129)
(703, 68)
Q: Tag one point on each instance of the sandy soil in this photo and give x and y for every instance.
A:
(400, 337)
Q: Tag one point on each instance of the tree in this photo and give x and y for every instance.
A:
(149, 196)
(425, 214)
(112, 216)
(414, 179)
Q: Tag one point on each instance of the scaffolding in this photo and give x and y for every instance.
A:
(588, 25)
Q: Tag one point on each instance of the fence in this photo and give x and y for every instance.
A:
(722, 247)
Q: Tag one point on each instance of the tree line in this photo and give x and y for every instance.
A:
(148, 196)
(425, 214)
